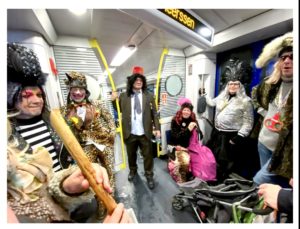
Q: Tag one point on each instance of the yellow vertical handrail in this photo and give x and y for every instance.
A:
(162, 57)
(94, 44)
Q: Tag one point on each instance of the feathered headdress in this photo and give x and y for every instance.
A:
(23, 70)
(236, 70)
(185, 102)
(275, 48)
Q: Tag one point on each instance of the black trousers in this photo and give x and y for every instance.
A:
(132, 144)
(226, 154)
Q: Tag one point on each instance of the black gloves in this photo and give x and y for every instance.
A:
(238, 139)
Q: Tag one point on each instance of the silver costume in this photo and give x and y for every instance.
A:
(235, 114)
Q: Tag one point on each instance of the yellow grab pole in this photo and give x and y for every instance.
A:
(94, 44)
(162, 57)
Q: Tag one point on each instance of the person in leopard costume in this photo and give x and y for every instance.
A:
(92, 124)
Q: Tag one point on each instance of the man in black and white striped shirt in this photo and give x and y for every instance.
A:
(25, 94)
(36, 133)
(26, 100)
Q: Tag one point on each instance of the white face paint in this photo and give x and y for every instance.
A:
(77, 94)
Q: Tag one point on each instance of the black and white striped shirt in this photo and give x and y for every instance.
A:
(36, 134)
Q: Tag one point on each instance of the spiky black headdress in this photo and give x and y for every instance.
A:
(23, 70)
(236, 70)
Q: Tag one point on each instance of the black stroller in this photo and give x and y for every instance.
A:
(235, 200)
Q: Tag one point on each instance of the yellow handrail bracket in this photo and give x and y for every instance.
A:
(159, 71)
(94, 44)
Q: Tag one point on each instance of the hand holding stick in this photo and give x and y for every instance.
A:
(75, 149)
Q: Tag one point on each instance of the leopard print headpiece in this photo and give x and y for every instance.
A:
(76, 79)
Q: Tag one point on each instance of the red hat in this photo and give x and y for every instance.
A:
(138, 70)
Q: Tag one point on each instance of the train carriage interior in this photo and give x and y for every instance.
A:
(180, 50)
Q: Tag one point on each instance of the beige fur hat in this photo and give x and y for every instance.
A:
(275, 48)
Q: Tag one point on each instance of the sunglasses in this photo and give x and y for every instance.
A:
(283, 57)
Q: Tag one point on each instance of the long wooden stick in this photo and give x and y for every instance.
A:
(75, 149)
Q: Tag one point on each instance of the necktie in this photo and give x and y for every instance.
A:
(137, 104)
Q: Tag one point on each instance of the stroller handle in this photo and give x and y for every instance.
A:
(265, 211)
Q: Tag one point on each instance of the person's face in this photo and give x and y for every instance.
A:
(31, 103)
(77, 94)
(286, 64)
(138, 84)
(186, 112)
(233, 87)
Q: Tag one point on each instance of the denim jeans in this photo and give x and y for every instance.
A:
(264, 175)
(264, 154)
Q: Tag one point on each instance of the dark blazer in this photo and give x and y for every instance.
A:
(150, 116)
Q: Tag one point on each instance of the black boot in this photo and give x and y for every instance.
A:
(150, 182)
(131, 175)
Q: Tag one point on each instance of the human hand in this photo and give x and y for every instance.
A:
(156, 133)
(180, 148)
(238, 139)
(270, 194)
(76, 182)
(11, 216)
(114, 95)
(192, 125)
(76, 121)
(119, 215)
(291, 182)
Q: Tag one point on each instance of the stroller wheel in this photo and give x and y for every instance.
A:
(177, 204)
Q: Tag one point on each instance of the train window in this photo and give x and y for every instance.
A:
(173, 85)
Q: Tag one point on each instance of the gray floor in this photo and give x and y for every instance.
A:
(152, 206)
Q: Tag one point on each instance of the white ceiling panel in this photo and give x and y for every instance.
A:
(114, 28)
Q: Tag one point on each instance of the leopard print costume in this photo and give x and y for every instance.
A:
(98, 127)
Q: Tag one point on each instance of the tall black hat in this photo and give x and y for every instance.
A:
(137, 72)
(23, 70)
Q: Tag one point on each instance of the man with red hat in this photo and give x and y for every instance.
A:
(139, 115)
